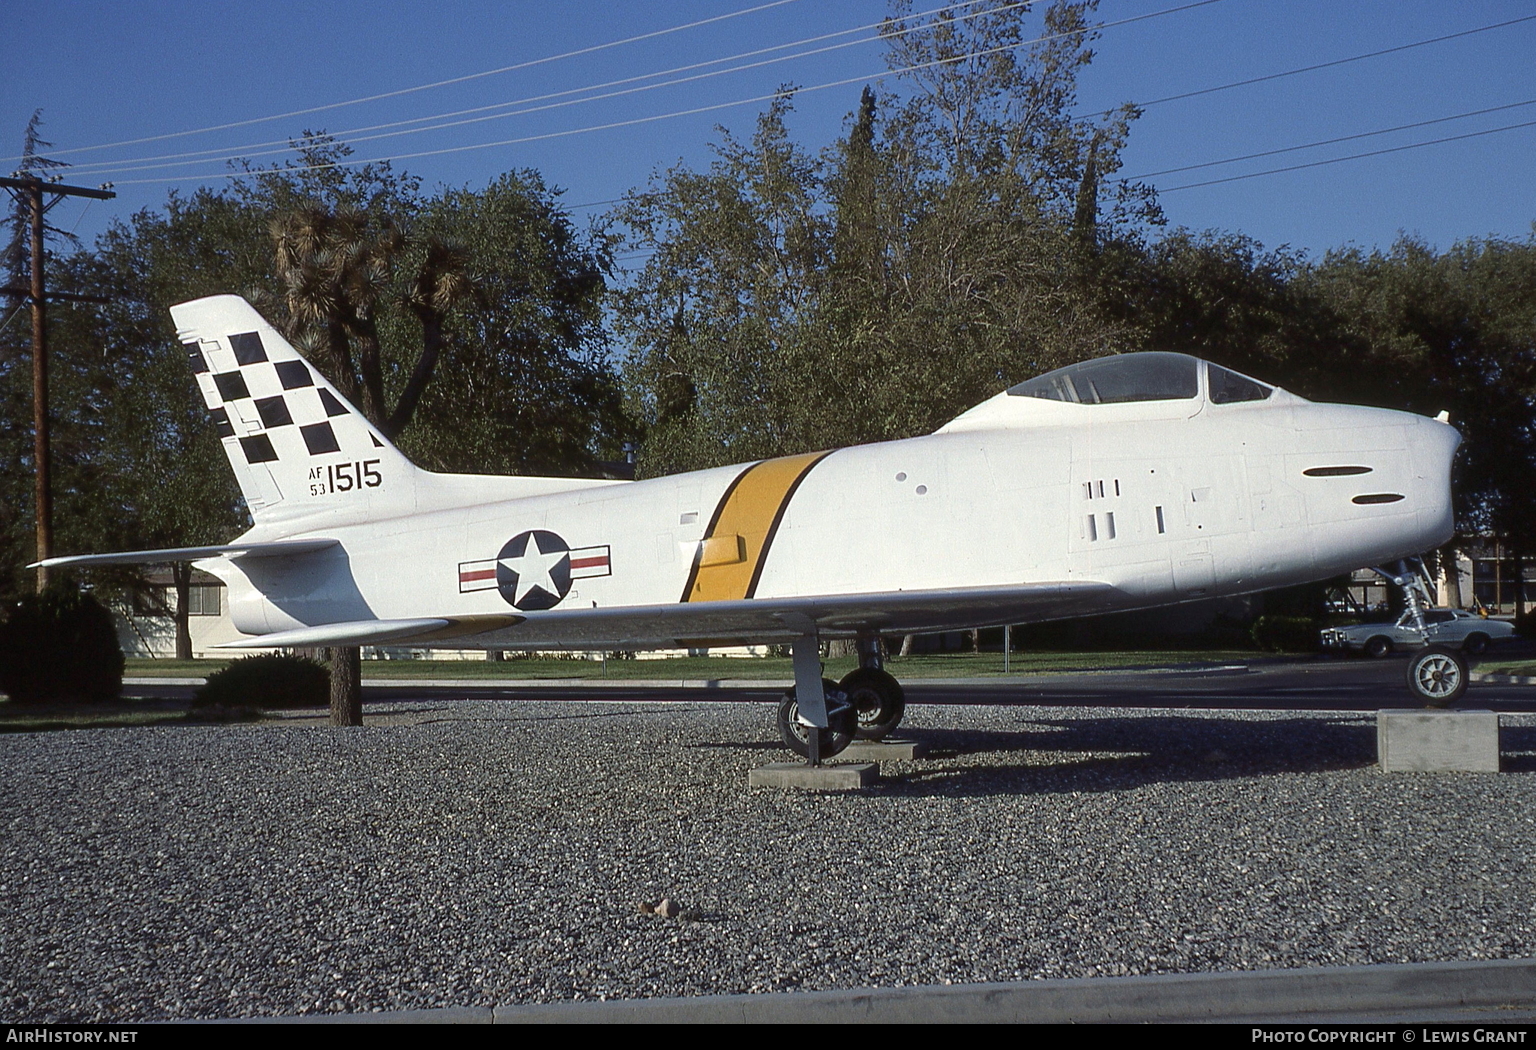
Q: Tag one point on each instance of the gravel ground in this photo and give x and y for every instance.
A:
(475, 854)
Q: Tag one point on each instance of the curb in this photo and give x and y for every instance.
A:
(1498, 991)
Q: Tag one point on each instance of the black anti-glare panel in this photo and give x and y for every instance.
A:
(320, 438)
(231, 386)
(247, 347)
(273, 411)
(332, 406)
(221, 423)
(258, 449)
(195, 358)
(294, 374)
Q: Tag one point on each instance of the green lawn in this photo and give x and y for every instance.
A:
(1516, 667)
(149, 712)
(695, 668)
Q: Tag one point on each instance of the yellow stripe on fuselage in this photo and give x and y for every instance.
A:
(750, 509)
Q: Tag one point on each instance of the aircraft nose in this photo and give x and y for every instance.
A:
(1434, 446)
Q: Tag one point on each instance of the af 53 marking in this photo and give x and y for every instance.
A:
(344, 477)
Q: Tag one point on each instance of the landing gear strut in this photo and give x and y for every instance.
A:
(816, 721)
(814, 743)
(876, 696)
(819, 718)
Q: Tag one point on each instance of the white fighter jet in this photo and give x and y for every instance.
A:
(1126, 482)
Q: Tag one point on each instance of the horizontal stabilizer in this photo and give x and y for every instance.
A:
(379, 632)
(269, 549)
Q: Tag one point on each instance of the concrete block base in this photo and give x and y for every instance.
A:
(1437, 741)
(850, 776)
(887, 750)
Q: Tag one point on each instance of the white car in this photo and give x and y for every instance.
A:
(1454, 627)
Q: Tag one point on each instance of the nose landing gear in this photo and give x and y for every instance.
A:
(1438, 675)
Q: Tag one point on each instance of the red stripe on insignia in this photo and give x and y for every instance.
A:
(589, 563)
(477, 574)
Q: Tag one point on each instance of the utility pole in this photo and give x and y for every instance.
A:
(32, 188)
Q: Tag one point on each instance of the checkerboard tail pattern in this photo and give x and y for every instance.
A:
(290, 436)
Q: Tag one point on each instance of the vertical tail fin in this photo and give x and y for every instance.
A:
(296, 446)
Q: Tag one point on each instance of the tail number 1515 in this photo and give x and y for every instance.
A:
(344, 477)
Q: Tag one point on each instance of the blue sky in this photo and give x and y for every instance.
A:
(107, 72)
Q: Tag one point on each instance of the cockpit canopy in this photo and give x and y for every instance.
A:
(1155, 376)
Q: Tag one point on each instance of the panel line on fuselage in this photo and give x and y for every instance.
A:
(751, 508)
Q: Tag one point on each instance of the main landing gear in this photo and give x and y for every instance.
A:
(819, 718)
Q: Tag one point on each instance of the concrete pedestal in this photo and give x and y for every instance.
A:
(1437, 741)
(887, 750)
(849, 776)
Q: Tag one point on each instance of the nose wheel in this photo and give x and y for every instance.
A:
(1438, 676)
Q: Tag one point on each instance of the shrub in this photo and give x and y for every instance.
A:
(269, 680)
(1286, 634)
(60, 647)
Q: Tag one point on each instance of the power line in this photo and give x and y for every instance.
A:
(1329, 142)
(351, 136)
(225, 153)
(1335, 62)
(426, 87)
(1352, 156)
(7, 322)
(713, 107)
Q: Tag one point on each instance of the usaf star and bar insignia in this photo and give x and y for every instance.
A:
(534, 569)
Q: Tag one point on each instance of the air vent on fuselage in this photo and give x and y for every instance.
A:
(1378, 497)
(1335, 472)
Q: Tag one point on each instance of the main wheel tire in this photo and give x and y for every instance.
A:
(835, 738)
(1378, 647)
(878, 698)
(1438, 675)
(1476, 644)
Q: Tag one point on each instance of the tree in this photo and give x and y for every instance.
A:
(717, 317)
(531, 362)
(994, 95)
(139, 466)
(159, 474)
(794, 302)
(1456, 332)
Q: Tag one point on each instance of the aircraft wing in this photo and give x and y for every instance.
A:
(698, 624)
(258, 549)
(378, 632)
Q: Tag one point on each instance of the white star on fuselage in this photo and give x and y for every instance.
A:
(532, 568)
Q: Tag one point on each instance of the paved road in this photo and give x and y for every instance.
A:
(1318, 685)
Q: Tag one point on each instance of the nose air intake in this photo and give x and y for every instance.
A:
(1434, 451)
